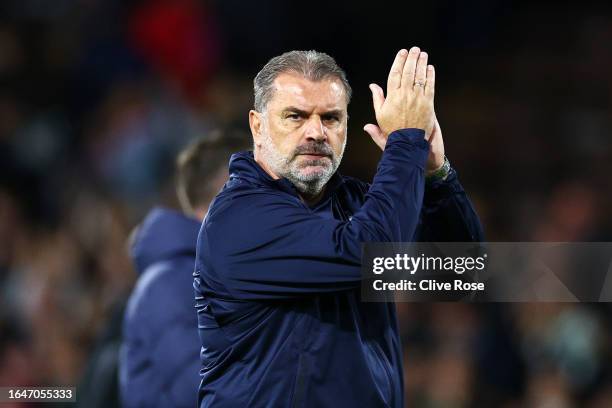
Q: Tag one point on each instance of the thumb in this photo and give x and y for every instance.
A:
(378, 97)
(436, 130)
(376, 134)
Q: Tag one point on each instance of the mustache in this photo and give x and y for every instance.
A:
(314, 148)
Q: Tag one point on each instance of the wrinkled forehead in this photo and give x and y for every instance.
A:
(293, 89)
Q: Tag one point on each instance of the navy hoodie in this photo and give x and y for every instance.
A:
(277, 282)
(159, 359)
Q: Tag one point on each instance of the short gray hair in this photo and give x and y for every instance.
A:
(313, 65)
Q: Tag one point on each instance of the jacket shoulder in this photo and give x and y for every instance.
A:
(241, 198)
(162, 293)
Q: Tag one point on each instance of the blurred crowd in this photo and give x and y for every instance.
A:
(97, 97)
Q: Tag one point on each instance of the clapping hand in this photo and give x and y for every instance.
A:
(409, 103)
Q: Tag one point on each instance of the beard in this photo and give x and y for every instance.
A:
(308, 175)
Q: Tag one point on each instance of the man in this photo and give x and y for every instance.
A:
(159, 360)
(278, 265)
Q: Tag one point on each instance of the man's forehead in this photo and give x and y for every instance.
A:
(295, 89)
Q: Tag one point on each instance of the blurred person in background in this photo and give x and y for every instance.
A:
(159, 359)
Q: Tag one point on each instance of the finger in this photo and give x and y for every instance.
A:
(421, 71)
(410, 66)
(378, 97)
(430, 85)
(376, 134)
(395, 75)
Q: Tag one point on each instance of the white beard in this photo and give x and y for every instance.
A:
(309, 183)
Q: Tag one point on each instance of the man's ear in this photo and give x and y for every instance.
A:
(256, 123)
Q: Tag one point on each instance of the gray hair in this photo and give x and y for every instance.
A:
(313, 65)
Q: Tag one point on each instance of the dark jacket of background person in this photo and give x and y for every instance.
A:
(99, 387)
(278, 283)
(159, 360)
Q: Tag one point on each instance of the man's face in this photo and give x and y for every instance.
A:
(302, 133)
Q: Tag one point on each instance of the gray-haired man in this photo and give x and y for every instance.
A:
(278, 265)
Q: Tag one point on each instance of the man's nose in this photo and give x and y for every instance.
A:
(315, 129)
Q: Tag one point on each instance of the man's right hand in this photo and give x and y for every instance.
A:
(410, 97)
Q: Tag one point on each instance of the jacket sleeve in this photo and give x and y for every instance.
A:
(448, 214)
(267, 244)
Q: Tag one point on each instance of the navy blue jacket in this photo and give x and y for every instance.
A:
(159, 359)
(277, 282)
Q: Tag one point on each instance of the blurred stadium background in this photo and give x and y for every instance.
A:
(97, 96)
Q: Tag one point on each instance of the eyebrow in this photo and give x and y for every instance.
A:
(301, 112)
(295, 110)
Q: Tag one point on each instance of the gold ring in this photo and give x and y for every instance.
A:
(419, 83)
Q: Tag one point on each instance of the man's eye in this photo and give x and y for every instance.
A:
(331, 118)
(293, 116)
